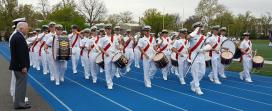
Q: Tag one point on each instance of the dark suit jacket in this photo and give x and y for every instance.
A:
(19, 53)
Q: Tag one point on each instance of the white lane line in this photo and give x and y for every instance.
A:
(268, 104)
(250, 84)
(47, 90)
(68, 108)
(187, 94)
(114, 102)
(153, 98)
(258, 92)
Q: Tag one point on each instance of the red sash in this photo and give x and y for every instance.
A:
(74, 43)
(180, 49)
(147, 46)
(96, 41)
(218, 41)
(127, 42)
(105, 49)
(36, 42)
(81, 51)
(40, 50)
(241, 58)
(196, 46)
(112, 38)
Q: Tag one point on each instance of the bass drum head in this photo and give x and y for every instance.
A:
(116, 57)
(227, 55)
(258, 59)
(158, 56)
(230, 45)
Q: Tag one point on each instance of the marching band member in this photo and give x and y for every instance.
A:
(128, 48)
(197, 57)
(84, 53)
(181, 48)
(137, 53)
(221, 66)
(174, 38)
(35, 50)
(74, 37)
(215, 41)
(118, 38)
(94, 51)
(246, 58)
(41, 53)
(48, 47)
(164, 46)
(60, 66)
(147, 46)
(270, 38)
(107, 45)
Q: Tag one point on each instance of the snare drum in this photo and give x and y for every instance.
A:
(258, 62)
(99, 60)
(160, 60)
(208, 60)
(120, 60)
(226, 57)
(174, 60)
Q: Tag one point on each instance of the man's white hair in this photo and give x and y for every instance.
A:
(21, 25)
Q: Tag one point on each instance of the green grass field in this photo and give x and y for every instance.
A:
(262, 50)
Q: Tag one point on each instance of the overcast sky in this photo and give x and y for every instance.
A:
(257, 7)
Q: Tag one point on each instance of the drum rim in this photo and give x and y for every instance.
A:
(227, 58)
(230, 41)
(115, 56)
(158, 54)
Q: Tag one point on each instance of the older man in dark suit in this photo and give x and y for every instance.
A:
(20, 64)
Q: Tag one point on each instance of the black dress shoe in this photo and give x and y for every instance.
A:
(27, 106)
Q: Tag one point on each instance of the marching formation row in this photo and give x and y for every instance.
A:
(101, 50)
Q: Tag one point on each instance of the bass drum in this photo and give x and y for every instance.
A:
(228, 45)
(61, 50)
(160, 60)
(99, 60)
(226, 57)
(258, 62)
(120, 60)
(174, 60)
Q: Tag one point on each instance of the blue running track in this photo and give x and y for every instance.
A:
(129, 93)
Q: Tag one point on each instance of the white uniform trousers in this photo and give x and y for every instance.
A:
(36, 61)
(247, 65)
(130, 55)
(93, 66)
(12, 84)
(137, 57)
(110, 69)
(149, 70)
(182, 67)
(198, 70)
(51, 64)
(31, 58)
(215, 66)
(221, 69)
(60, 70)
(44, 62)
(86, 63)
(166, 69)
(75, 58)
